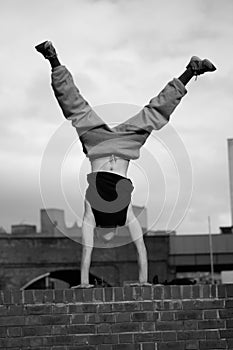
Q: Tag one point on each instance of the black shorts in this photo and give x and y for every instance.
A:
(109, 195)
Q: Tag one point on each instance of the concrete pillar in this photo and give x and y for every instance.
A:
(230, 162)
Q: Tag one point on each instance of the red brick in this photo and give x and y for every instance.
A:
(17, 297)
(106, 318)
(159, 305)
(226, 313)
(171, 346)
(229, 290)
(212, 344)
(108, 294)
(58, 295)
(134, 306)
(54, 319)
(125, 347)
(118, 294)
(146, 293)
(78, 319)
(230, 344)
(229, 304)
(213, 291)
(38, 309)
(212, 304)
(15, 310)
(104, 347)
(126, 338)
(123, 317)
(167, 316)
(128, 293)
(59, 340)
(2, 343)
(202, 304)
(105, 308)
(210, 314)
(3, 332)
(221, 291)
(147, 337)
(36, 331)
(142, 316)
(167, 292)
(172, 305)
(137, 293)
(148, 326)
(196, 292)
(229, 323)
(38, 295)
(226, 333)
(191, 345)
(7, 297)
(210, 324)
(81, 347)
(175, 292)
(73, 309)
(33, 341)
(28, 297)
(168, 325)
(89, 308)
(125, 327)
(59, 330)
(96, 339)
(190, 324)
(81, 329)
(186, 335)
(98, 294)
(188, 315)
(91, 318)
(14, 342)
(118, 307)
(212, 334)
(14, 332)
(80, 340)
(48, 296)
(186, 292)
(206, 291)
(104, 328)
(168, 336)
(3, 310)
(59, 309)
(69, 296)
(12, 321)
(78, 295)
(147, 306)
(1, 297)
(148, 346)
(158, 292)
(88, 295)
(110, 338)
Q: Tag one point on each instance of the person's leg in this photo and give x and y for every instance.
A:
(74, 107)
(157, 113)
(87, 245)
(137, 237)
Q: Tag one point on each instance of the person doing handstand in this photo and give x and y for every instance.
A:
(108, 196)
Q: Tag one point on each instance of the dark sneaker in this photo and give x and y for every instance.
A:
(46, 49)
(200, 66)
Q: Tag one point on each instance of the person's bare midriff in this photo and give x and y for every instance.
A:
(111, 164)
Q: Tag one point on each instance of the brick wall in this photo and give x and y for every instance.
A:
(119, 318)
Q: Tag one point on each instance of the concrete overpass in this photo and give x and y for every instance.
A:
(191, 253)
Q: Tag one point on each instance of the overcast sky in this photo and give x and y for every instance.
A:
(120, 52)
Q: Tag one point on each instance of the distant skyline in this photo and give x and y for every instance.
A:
(120, 52)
